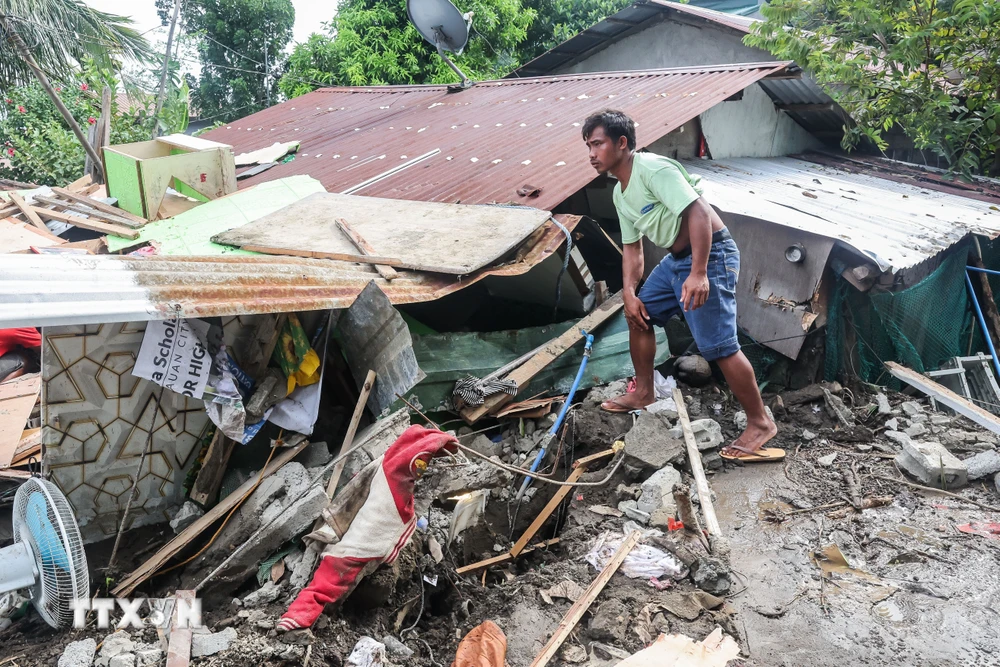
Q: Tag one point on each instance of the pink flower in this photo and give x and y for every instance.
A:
(22, 109)
(8, 100)
(10, 152)
(91, 120)
(83, 87)
(58, 90)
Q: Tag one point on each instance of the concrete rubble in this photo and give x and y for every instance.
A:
(932, 464)
(79, 654)
(205, 645)
(186, 515)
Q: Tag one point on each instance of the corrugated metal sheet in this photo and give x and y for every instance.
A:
(45, 290)
(897, 224)
(493, 138)
(734, 21)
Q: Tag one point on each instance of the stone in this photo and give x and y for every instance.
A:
(711, 575)
(264, 595)
(996, 482)
(267, 491)
(740, 418)
(605, 652)
(916, 430)
(396, 649)
(204, 645)
(808, 435)
(692, 369)
(711, 460)
(598, 395)
(148, 657)
(883, 404)
(122, 660)
(911, 408)
(296, 477)
(185, 516)
(485, 446)
(864, 449)
(649, 445)
(114, 645)
(524, 445)
(897, 437)
(78, 654)
(707, 434)
(919, 418)
(459, 480)
(293, 654)
(665, 407)
(658, 491)
(547, 422)
(892, 424)
(529, 426)
(661, 519)
(632, 511)
(928, 462)
(464, 431)
(610, 621)
(827, 461)
(940, 420)
(302, 571)
(314, 455)
(367, 653)
(573, 654)
(983, 464)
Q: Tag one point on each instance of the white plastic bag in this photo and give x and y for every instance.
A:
(643, 562)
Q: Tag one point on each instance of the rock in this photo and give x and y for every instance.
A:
(661, 519)
(919, 418)
(911, 408)
(711, 575)
(897, 437)
(605, 652)
(883, 404)
(303, 570)
(204, 645)
(185, 516)
(122, 660)
(114, 645)
(148, 657)
(996, 482)
(610, 621)
(367, 653)
(266, 493)
(396, 649)
(707, 434)
(983, 464)
(547, 422)
(649, 445)
(598, 395)
(940, 420)
(264, 595)
(459, 480)
(808, 435)
(658, 491)
(916, 430)
(464, 431)
(711, 460)
(632, 511)
(864, 449)
(740, 418)
(485, 446)
(665, 407)
(827, 461)
(78, 654)
(296, 477)
(529, 426)
(693, 370)
(573, 654)
(892, 424)
(293, 654)
(524, 445)
(314, 455)
(928, 462)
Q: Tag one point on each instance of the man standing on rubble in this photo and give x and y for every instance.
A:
(656, 197)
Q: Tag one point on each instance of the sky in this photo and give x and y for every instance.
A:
(309, 14)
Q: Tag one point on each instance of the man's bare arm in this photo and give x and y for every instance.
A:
(633, 264)
(698, 218)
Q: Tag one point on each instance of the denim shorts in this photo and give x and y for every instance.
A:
(714, 324)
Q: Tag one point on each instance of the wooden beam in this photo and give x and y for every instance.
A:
(504, 558)
(579, 468)
(366, 248)
(86, 210)
(945, 396)
(829, 106)
(316, 254)
(179, 648)
(581, 606)
(31, 216)
(213, 469)
(694, 458)
(552, 351)
(84, 223)
(174, 546)
(99, 205)
(352, 429)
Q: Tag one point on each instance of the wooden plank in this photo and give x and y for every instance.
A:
(213, 469)
(557, 346)
(581, 606)
(944, 396)
(457, 239)
(504, 558)
(316, 254)
(76, 207)
(30, 214)
(579, 468)
(17, 236)
(179, 648)
(352, 428)
(694, 459)
(174, 546)
(84, 223)
(99, 205)
(189, 143)
(17, 400)
(386, 272)
(84, 181)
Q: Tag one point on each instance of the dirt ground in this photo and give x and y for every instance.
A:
(912, 589)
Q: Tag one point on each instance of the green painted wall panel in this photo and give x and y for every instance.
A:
(123, 182)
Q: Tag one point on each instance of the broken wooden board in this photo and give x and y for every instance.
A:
(365, 248)
(944, 396)
(697, 469)
(504, 558)
(16, 236)
(17, 400)
(715, 650)
(271, 153)
(174, 546)
(86, 223)
(425, 236)
(179, 647)
(556, 347)
(99, 205)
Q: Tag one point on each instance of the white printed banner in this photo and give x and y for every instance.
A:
(174, 354)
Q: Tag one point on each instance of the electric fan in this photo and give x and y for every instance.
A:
(47, 556)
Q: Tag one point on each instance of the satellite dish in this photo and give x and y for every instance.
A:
(443, 25)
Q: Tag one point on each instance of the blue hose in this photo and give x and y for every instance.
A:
(587, 348)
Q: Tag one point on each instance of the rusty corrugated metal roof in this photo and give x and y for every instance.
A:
(46, 290)
(493, 138)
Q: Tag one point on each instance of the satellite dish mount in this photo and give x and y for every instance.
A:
(443, 25)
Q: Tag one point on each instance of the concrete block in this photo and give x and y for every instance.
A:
(185, 516)
(650, 444)
(264, 595)
(911, 408)
(296, 478)
(113, 645)
(315, 455)
(711, 460)
(269, 489)
(148, 657)
(122, 660)
(78, 654)
(983, 464)
(928, 462)
(892, 424)
(396, 649)
(898, 437)
(883, 404)
(459, 480)
(916, 430)
(485, 446)
(665, 408)
(707, 434)
(658, 491)
(204, 645)
(740, 418)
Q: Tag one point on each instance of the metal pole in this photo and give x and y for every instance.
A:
(982, 323)
(989, 271)
(267, 77)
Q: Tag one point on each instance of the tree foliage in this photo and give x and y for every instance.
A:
(240, 45)
(61, 35)
(558, 20)
(929, 67)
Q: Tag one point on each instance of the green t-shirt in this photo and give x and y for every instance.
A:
(658, 192)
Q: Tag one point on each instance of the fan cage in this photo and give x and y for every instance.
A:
(56, 587)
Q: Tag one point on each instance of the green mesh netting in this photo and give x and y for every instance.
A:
(919, 327)
(761, 357)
